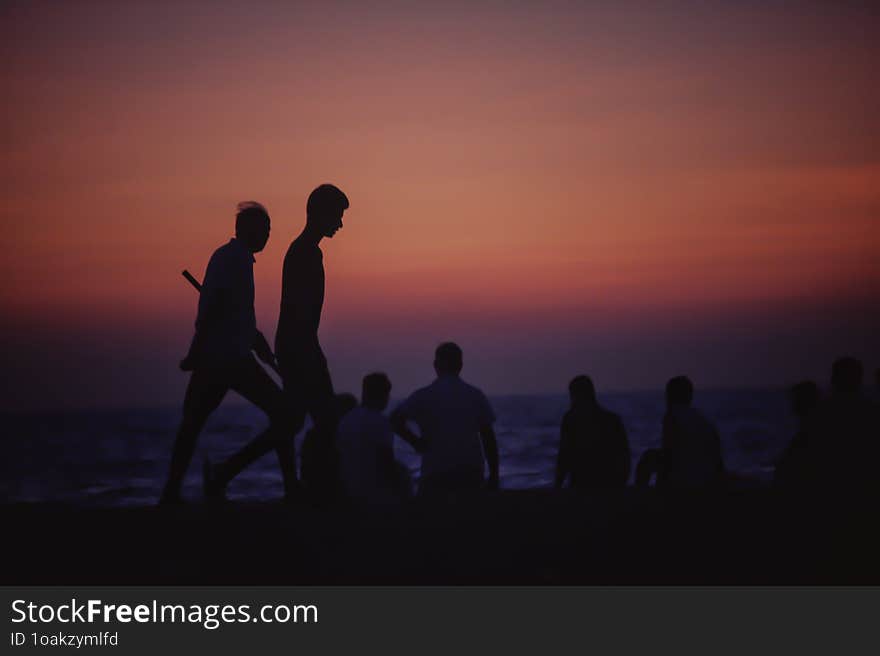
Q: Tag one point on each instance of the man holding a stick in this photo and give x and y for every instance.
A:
(307, 385)
(221, 358)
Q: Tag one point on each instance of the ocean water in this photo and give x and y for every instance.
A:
(120, 457)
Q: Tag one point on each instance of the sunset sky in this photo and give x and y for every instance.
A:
(627, 189)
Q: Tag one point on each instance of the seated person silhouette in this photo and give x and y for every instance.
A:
(793, 467)
(220, 355)
(690, 453)
(455, 421)
(842, 436)
(593, 447)
(319, 461)
(369, 474)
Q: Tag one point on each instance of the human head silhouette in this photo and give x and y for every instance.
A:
(324, 209)
(679, 391)
(448, 359)
(344, 403)
(376, 391)
(846, 377)
(581, 391)
(804, 398)
(252, 225)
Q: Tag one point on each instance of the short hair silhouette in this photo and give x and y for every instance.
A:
(581, 390)
(249, 214)
(375, 390)
(448, 358)
(325, 198)
(846, 376)
(679, 391)
(804, 397)
(344, 403)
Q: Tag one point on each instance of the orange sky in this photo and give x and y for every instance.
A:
(580, 179)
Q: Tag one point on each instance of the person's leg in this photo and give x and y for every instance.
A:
(203, 394)
(320, 470)
(255, 385)
(308, 387)
(649, 465)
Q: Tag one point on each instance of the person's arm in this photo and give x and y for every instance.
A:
(490, 448)
(626, 457)
(562, 458)
(717, 443)
(485, 419)
(399, 425)
(263, 350)
(666, 450)
(667, 436)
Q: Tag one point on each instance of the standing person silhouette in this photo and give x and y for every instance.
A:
(220, 355)
(456, 439)
(308, 388)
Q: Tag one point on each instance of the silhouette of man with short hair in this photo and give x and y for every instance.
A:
(793, 468)
(455, 421)
(690, 454)
(691, 444)
(844, 436)
(369, 473)
(220, 355)
(593, 447)
(307, 385)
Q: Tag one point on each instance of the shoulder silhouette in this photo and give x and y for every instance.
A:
(456, 437)
(593, 447)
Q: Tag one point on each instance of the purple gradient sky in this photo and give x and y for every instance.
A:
(622, 189)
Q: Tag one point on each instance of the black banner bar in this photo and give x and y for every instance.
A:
(391, 620)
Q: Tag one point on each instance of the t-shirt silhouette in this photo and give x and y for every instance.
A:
(226, 324)
(364, 443)
(693, 448)
(302, 298)
(449, 413)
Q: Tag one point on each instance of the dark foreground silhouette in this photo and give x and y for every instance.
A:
(630, 536)
(593, 447)
(837, 446)
(308, 389)
(220, 355)
(824, 532)
(689, 457)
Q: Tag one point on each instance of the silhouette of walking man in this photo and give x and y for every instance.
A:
(308, 388)
(220, 355)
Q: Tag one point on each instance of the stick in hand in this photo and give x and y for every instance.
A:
(195, 283)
